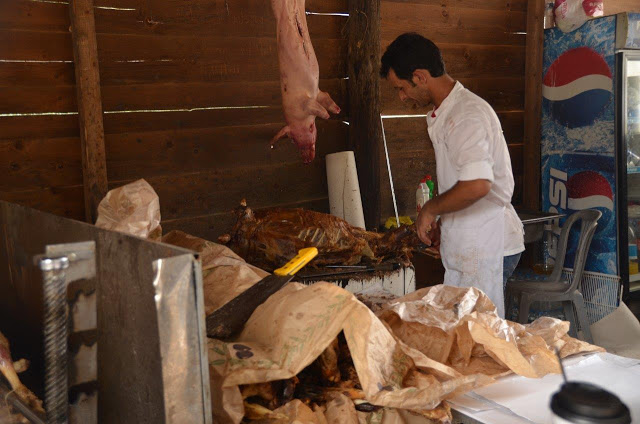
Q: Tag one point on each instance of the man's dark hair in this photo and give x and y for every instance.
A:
(411, 51)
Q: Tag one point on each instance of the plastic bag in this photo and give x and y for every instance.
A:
(572, 14)
(133, 209)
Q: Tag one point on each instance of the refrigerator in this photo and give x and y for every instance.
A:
(590, 146)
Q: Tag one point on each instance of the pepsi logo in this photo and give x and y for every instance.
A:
(593, 7)
(589, 190)
(577, 87)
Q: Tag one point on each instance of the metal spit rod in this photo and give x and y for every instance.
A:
(55, 338)
(386, 154)
(20, 405)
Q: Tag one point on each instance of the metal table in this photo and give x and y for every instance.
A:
(534, 222)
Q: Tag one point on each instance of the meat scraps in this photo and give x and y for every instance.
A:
(268, 238)
(10, 370)
(302, 100)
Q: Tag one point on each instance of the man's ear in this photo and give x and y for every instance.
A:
(420, 76)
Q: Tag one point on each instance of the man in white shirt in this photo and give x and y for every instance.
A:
(480, 234)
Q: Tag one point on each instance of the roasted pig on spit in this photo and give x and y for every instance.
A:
(330, 376)
(10, 370)
(269, 238)
(302, 100)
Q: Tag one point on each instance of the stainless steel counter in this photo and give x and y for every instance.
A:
(534, 222)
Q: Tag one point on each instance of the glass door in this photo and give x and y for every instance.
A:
(630, 134)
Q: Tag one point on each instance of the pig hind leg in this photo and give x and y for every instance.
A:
(283, 133)
(327, 102)
(313, 107)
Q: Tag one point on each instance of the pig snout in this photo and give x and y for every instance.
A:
(304, 138)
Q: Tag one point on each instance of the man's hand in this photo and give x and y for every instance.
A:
(425, 223)
(462, 195)
(434, 234)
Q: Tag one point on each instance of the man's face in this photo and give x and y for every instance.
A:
(409, 92)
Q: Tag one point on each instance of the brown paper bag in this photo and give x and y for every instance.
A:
(133, 209)
(292, 328)
(466, 333)
(224, 274)
(397, 370)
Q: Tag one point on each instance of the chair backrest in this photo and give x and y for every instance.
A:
(589, 219)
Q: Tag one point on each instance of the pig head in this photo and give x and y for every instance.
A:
(302, 100)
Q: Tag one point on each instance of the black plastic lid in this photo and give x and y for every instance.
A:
(584, 403)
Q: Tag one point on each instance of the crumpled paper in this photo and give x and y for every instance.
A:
(292, 328)
(341, 410)
(460, 327)
(224, 274)
(133, 209)
(419, 350)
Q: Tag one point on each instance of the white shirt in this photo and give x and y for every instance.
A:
(475, 148)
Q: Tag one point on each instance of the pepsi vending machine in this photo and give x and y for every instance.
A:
(590, 146)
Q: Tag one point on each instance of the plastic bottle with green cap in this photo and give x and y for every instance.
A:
(431, 186)
(422, 194)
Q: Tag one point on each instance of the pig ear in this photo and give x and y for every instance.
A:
(325, 100)
(315, 108)
(284, 132)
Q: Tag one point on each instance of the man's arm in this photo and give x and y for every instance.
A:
(460, 196)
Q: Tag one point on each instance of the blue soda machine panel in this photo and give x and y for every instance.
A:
(578, 133)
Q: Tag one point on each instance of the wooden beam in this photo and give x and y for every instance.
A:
(85, 54)
(533, 103)
(365, 132)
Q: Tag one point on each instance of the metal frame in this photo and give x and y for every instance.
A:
(622, 58)
(621, 173)
(135, 375)
(71, 362)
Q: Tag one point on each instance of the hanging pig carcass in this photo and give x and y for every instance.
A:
(302, 100)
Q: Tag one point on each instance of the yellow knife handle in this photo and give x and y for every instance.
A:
(303, 257)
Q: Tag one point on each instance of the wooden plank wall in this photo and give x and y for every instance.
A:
(612, 7)
(191, 98)
(483, 45)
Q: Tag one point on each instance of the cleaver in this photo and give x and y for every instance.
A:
(229, 319)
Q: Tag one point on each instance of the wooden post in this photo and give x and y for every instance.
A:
(365, 132)
(533, 103)
(85, 54)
